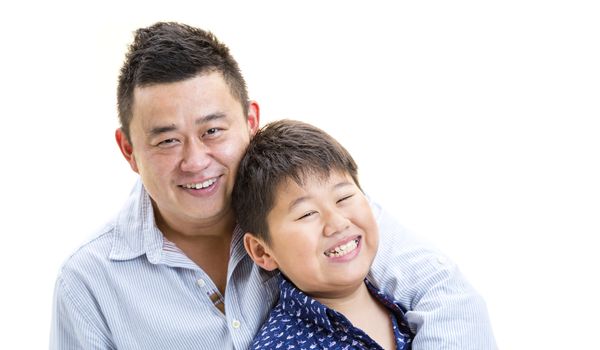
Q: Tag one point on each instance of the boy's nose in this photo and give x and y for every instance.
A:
(335, 223)
(195, 157)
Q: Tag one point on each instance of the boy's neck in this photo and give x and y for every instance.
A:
(349, 302)
(366, 313)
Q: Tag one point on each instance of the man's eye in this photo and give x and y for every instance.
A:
(212, 131)
(167, 142)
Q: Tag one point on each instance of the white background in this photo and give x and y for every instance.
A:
(476, 123)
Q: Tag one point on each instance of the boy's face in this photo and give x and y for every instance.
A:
(324, 236)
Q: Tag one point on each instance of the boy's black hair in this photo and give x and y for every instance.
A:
(280, 151)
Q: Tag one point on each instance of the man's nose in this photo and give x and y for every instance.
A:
(196, 156)
(335, 222)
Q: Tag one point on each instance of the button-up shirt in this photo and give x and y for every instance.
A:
(302, 323)
(129, 288)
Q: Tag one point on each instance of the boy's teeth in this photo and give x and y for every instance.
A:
(343, 249)
(200, 185)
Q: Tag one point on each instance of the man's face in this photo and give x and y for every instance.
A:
(323, 234)
(187, 139)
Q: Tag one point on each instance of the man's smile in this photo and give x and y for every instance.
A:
(200, 185)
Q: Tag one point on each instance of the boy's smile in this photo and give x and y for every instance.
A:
(346, 247)
(323, 235)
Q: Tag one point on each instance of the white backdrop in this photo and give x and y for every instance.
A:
(476, 123)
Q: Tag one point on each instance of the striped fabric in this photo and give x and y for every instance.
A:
(444, 311)
(129, 288)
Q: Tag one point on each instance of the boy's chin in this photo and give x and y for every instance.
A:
(337, 291)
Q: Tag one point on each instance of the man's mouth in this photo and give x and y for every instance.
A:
(343, 249)
(199, 185)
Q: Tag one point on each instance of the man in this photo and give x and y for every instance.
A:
(170, 271)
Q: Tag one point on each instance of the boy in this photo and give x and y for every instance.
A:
(298, 198)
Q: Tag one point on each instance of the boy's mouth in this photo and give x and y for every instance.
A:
(343, 249)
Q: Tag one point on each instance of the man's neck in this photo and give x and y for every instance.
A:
(206, 244)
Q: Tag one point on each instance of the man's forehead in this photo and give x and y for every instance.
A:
(204, 97)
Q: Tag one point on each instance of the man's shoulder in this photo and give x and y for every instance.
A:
(95, 249)
(405, 260)
(398, 241)
(117, 233)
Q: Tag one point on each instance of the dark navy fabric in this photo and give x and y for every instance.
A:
(300, 322)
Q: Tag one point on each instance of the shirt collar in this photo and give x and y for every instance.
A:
(237, 251)
(295, 302)
(136, 232)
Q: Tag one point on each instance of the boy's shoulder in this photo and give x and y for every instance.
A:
(285, 330)
(299, 321)
(295, 321)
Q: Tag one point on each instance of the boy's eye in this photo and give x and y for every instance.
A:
(310, 213)
(344, 198)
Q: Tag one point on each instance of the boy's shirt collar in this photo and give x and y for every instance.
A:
(299, 304)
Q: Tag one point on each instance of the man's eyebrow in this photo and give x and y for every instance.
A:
(209, 118)
(157, 130)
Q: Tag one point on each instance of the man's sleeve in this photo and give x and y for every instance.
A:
(442, 308)
(72, 326)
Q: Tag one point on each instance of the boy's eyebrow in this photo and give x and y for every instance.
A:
(299, 200)
(343, 184)
(157, 130)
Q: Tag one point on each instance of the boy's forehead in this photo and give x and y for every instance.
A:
(306, 178)
(301, 182)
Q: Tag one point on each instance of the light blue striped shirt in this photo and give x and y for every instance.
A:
(129, 288)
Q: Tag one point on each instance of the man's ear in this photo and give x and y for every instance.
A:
(259, 252)
(126, 148)
(253, 117)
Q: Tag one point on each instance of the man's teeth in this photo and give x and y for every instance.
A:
(343, 249)
(200, 185)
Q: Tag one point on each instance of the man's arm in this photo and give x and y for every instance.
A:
(72, 327)
(443, 309)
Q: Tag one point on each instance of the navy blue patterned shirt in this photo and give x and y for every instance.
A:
(300, 322)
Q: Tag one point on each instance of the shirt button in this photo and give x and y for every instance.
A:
(236, 324)
(201, 283)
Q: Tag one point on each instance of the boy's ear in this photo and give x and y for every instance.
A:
(259, 252)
